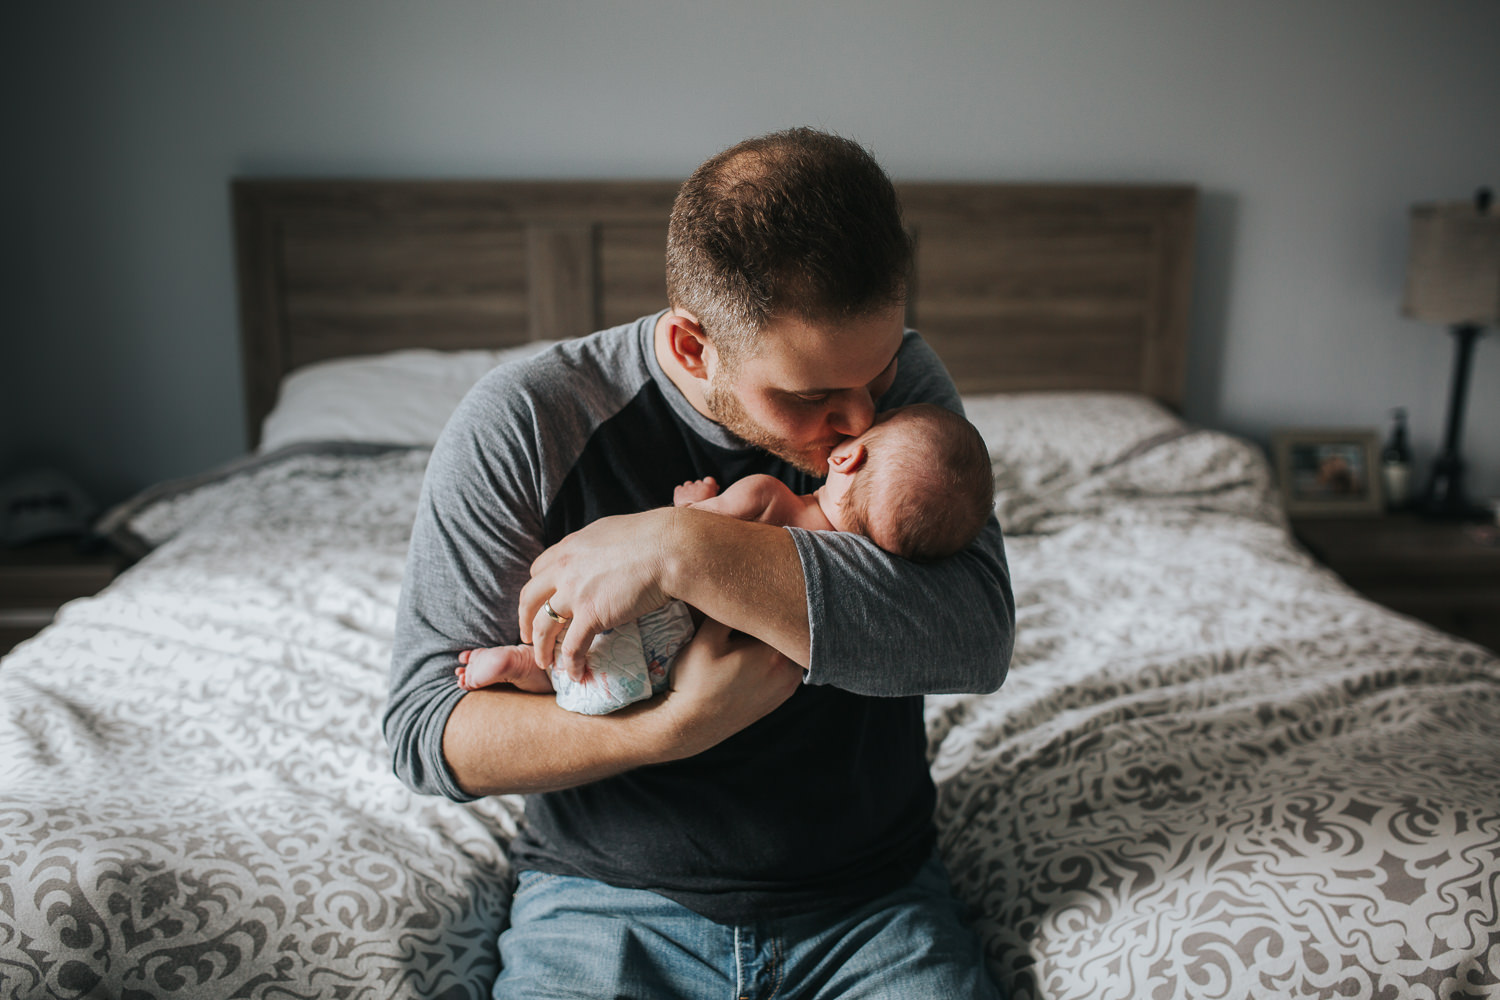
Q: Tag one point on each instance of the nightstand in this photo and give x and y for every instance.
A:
(1443, 572)
(38, 578)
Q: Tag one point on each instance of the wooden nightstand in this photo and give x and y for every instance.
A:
(1445, 573)
(37, 579)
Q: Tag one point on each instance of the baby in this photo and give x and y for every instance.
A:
(918, 483)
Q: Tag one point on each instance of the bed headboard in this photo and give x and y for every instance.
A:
(1017, 286)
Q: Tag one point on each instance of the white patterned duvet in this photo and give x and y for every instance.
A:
(1212, 772)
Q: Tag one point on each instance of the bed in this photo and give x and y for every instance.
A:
(1214, 771)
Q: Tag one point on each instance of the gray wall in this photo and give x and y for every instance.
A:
(1310, 127)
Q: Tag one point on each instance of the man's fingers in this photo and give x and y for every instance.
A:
(529, 605)
(572, 650)
(545, 631)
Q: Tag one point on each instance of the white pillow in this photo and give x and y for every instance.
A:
(1062, 457)
(1042, 443)
(404, 397)
(1043, 434)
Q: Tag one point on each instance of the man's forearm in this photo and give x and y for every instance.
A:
(892, 628)
(502, 741)
(745, 574)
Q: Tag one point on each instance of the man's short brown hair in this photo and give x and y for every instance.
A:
(797, 223)
(927, 487)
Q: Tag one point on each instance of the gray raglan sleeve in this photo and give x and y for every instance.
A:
(885, 626)
(478, 527)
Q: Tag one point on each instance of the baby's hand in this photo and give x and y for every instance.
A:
(695, 490)
(501, 665)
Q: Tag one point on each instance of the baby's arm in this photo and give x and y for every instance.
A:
(694, 491)
(501, 665)
(754, 498)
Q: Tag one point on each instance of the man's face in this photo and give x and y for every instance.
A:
(805, 387)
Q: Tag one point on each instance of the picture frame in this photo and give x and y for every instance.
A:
(1328, 472)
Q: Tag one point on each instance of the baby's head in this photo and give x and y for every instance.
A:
(918, 483)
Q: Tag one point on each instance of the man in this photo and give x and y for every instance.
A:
(767, 823)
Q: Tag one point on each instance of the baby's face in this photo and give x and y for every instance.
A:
(909, 482)
(848, 461)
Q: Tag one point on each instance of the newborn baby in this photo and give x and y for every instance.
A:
(918, 483)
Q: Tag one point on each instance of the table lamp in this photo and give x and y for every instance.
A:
(1453, 277)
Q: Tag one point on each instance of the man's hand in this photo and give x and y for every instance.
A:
(722, 681)
(742, 573)
(603, 575)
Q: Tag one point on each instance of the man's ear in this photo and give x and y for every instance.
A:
(689, 346)
(847, 457)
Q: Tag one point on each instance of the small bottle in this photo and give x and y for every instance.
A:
(1395, 464)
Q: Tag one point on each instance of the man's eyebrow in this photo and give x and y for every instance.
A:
(842, 388)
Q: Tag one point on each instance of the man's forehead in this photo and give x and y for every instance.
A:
(821, 357)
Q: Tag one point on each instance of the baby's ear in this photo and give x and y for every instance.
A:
(847, 457)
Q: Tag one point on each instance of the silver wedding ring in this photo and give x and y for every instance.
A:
(547, 608)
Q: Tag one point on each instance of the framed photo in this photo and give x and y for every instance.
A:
(1329, 472)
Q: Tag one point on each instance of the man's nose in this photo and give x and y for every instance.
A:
(852, 412)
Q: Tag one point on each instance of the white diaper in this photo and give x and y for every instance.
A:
(627, 664)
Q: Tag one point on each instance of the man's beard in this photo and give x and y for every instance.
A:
(725, 407)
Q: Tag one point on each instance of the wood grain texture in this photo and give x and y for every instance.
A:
(1024, 287)
(1017, 286)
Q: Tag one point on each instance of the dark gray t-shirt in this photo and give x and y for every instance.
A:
(825, 801)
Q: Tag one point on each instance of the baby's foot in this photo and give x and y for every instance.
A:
(501, 665)
(695, 490)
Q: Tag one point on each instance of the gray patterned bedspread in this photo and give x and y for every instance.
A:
(1213, 772)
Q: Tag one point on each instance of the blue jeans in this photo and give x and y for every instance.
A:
(574, 937)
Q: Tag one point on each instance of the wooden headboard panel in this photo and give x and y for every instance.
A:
(1017, 287)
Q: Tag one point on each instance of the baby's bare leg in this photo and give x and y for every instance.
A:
(501, 665)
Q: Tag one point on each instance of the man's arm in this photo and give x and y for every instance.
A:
(745, 574)
(855, 616)
(860, 618)
(477, 529)
(888, 627)
(505, 741)
(750, 580)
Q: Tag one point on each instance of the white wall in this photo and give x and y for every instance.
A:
(1310, 126)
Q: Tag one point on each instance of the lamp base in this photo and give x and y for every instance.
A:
(1445, 498)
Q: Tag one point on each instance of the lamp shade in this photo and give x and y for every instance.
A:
(1453, 274)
